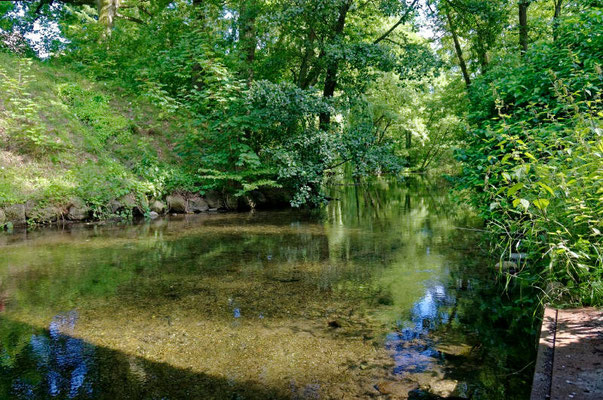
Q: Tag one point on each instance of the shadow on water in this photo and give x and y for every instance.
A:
(379, 295)
(60, 366)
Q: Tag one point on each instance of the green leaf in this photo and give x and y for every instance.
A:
(541, 204)
(524, 203)
(514, 189)
(546, 187)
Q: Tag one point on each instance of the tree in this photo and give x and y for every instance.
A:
(458, 50)
(532, 155)
(523, 25)
(475, 28)
(107, 10)
(556, 17)
(218, 60)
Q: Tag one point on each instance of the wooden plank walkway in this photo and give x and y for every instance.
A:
(570, 356)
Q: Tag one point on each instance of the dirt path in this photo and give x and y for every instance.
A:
(570, 355)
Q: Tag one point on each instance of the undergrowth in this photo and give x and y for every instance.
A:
(64, 137)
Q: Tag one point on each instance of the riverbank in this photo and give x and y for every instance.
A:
(128, 206)
(73, 149)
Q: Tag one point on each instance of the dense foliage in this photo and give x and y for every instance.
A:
(268, 85)
(533, 158)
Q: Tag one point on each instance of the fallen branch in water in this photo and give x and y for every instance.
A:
(470, 229)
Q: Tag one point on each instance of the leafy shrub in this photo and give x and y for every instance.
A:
(21, 112)
(94, 110)
(535, 160)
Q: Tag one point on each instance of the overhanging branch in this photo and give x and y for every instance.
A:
(397, 24)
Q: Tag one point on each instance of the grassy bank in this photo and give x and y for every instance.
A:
(65, 139)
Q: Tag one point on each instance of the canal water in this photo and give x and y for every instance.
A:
(384, 293)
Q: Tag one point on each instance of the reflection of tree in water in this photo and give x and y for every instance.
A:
(377, 202)
(501, 324)
(64, 360)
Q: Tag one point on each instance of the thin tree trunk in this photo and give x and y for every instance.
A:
(482, 52)
(459, 51)
(397, 24)
(523, 25)
(556, 16)
(197, 69)
(332, 68)
(409, 145)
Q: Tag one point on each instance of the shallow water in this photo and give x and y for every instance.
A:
(379, 295)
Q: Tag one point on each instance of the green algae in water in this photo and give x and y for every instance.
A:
(377, 296)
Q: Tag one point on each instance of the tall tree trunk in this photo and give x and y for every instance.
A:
(107, 10)
(482, 52)
(458, 50)
(247, 35)
(333, 66)
(523, 25)
(556, 16)
(303, 80)
(409, 145)
(197, 69)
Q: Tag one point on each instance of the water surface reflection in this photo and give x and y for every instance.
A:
(373, 297)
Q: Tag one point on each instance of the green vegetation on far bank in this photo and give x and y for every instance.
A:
(65, 138)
